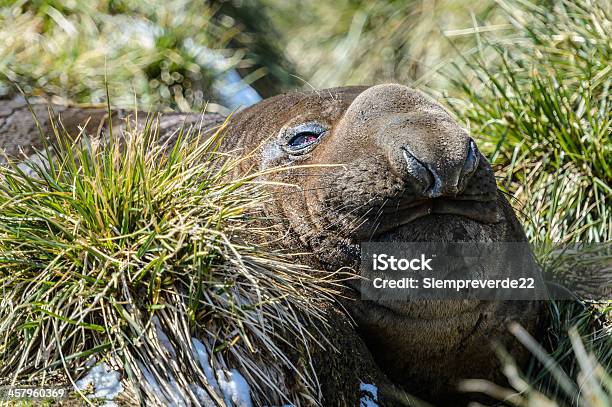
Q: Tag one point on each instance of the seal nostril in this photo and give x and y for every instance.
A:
(419, 173)
(470, 166)
(471, 162)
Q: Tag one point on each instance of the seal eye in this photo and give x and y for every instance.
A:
(302, 138)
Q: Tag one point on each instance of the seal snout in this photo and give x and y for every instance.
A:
(423, 145)
(427, 182)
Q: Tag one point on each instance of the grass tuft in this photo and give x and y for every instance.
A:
(168, 54)
(126, 248)
(538, 102)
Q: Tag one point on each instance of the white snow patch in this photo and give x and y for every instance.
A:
(163, 338)
(150, 381)
(234, 92)
(170, 394)
(177, 395)
(235, 388)
(106, 383)
(201, 395)
(204, 361)
(89, 363)
(369, 396)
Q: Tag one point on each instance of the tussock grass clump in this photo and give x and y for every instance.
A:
(65, 49)
(538, 101)
(168, 53)
(127, 248)
(358, 42)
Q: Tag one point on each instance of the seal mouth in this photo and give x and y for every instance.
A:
(397, 215)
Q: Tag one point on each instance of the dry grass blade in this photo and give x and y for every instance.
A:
(590, 389)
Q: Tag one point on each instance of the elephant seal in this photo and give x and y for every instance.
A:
(389, 164)
(380, 163)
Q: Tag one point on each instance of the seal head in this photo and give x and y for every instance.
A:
(386, 163)
(368, 162)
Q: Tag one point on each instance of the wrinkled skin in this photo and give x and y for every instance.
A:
(385, 163)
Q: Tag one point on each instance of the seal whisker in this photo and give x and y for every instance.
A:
(361, 219)
(340, 219)
(377, 220)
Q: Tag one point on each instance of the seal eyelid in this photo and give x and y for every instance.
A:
(302, 138)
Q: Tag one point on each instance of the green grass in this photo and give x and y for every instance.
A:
(592, 387)
(362, 42)
(104, 244)
(160, 52)
(538, 102)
